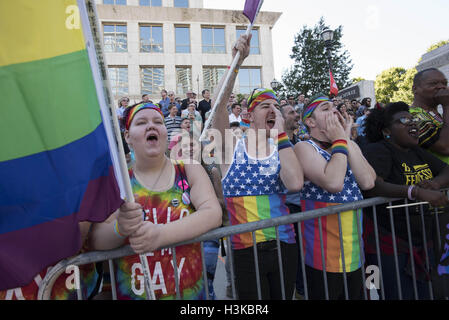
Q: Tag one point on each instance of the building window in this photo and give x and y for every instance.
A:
(118, 77)
(152, 80)
(182, 39)
(183, 80)
(181, 3)
(115, 38)
(211, 77)
(151, 39)
(150, 3)
(213, 39)
(117, 2)
(255, 49)
(249, 78)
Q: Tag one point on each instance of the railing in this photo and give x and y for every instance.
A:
(97, 256)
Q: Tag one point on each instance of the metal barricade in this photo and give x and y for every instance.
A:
(294, 218)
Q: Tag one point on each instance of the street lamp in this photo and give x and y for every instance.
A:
(328, 36)
(276, 85)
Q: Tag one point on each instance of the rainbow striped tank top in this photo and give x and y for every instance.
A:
(314, 197)
(253, 191)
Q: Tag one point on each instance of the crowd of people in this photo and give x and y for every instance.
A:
(285, 157)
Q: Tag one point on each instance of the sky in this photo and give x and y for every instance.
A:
(377, 34)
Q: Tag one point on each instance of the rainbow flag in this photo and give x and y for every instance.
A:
(55, 164)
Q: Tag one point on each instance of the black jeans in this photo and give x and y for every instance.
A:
(270, 281)
(335, 284)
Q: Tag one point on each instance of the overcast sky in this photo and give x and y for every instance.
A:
(378, 34)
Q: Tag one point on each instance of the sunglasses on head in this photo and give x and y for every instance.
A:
(406, 120)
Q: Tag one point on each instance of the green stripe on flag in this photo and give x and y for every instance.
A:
(46, 104)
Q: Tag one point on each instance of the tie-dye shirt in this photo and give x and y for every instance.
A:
(162, 208)
(253, 191)
(314, 197)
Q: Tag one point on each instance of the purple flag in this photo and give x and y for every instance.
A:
(250, 10)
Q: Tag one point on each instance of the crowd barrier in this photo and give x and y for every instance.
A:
(294, 218)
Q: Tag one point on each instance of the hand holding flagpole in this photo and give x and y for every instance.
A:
(252, 8)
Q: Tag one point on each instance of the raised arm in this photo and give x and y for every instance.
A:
(221, 117)
(328, 175)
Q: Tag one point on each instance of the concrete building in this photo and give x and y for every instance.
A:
(438, 58)
(179, 45)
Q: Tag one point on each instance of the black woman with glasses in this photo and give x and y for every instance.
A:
(404, 170)
(262, 167)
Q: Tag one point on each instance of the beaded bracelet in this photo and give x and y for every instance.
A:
(283, 141)
(340, 146)
(117, 231)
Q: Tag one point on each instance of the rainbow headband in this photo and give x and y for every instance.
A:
(139, 107)
(312, 106)
(260, 96)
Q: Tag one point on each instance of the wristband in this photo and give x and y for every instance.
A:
(340, 146)
(117, 231)
(283, 141)
(409, 192)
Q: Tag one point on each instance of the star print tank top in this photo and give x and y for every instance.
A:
(314, 197)
(253, 191)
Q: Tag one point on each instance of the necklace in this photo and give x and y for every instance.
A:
(159, 176)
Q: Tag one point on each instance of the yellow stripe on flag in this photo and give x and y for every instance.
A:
(38, 29)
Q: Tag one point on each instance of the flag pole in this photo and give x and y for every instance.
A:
(110, 122)
(217, 102)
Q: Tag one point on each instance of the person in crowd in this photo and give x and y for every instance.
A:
(177, 202)
(205, 104)
(291, 100)
(403, 171)
(188, 100)
(253, 189)
(122, 105)
(293, 201)
(174, 152)
(164, 103)
(145, 98)
(236, 109)
(335, 173)
(360, 123)
(172, 121)
(430, 89)
(365, 104)
(301, 103)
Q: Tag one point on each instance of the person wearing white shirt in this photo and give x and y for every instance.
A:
(236, 109)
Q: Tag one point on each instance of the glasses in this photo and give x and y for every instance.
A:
(407, 121)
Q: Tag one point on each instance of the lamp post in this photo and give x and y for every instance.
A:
(276, 85)
(328, 36)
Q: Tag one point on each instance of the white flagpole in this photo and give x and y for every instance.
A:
(228, 77)
(112, 129)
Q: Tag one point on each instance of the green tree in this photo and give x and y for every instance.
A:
(310, 72)
(404, 92)
(387, 82)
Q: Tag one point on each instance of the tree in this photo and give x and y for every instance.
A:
(310, 71)
(387, 83)
(404, 92)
